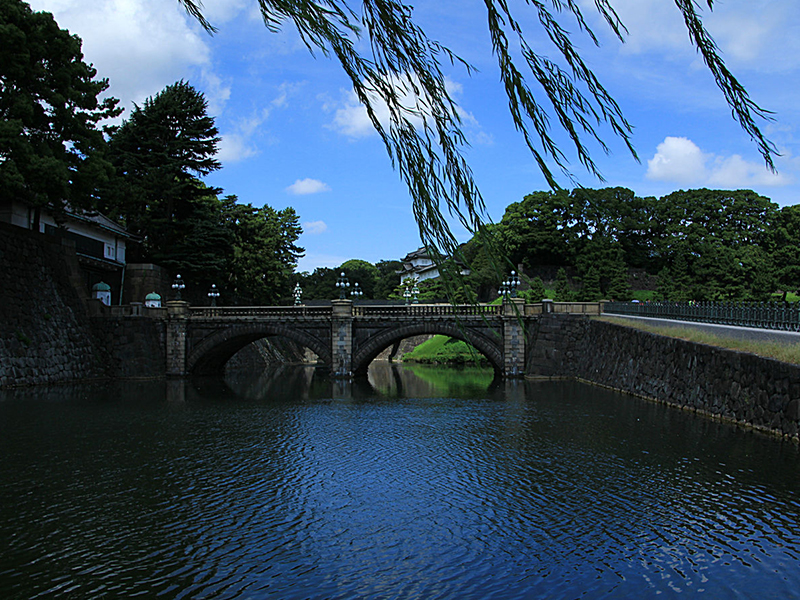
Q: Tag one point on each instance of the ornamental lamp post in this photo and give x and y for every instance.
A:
(342, 283)
(407, 294)
(503, 291)
(513, 284)
(213, 294)
(178, 285)
(415, 292)
(297, 293)
(357, 292)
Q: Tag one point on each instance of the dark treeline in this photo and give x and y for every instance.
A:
(589, 244)
(702, 244)
(145, 173)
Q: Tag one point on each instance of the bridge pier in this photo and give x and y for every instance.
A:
(342, 339)
(514, 338)
(177, 319)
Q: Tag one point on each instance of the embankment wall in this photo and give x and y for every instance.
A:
(735, 386)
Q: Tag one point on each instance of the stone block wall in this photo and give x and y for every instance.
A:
(131, 346)
(45, 330)
(143, 278)
(739, 387)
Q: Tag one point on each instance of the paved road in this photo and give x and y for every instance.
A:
(740, 333)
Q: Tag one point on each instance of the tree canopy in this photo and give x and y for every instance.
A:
(400, 59)
(50, 112)
(159, 152)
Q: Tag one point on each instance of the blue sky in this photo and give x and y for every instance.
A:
(292, 134)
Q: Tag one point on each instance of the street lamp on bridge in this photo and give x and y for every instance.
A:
(297, 293)
(213, 294)
(357, 292)
(342, 283)
(511, 284)
(178, 285)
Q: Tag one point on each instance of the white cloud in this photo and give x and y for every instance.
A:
(759, 34)
(680, 160)
(351, 118)
(238, 143)
(141, 46)
(677, 159)
(303, 187)
(315, 227)
(736, 172)
(234, 147)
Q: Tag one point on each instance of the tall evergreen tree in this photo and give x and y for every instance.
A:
(159, 153)
(49, 113)
(591, 290)
(265, 253)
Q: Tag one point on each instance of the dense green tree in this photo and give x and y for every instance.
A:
(591, 290)
(619, 215)
(320, 284)
(388, 277)
(618, 288)
(50, 111)
(202, 250)
(785, 245)
(695, 217)
(606, 257)
(536, 292)
(362, 272)
(563, 291)
(265, 253)
(540, 230)
(159, 152)
(386, 55)
(758, 272)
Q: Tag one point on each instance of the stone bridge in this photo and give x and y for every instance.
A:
(346, 337)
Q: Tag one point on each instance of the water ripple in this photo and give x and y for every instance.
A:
(573, 491)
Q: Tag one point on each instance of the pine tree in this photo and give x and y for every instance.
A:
(563, 291)
(159, 154)
(591, 286)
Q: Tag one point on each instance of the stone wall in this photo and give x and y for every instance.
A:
(131, 346)
(142, 279)
(45, 329)
(735, 386)
(396, 351)
(268, 353)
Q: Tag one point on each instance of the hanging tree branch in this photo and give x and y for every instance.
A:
(402, 73)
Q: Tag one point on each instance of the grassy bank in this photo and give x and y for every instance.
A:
(444, 350)
(789, 353)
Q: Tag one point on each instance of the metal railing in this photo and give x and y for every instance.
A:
(783, 316)
(260, 312)
(429, 310)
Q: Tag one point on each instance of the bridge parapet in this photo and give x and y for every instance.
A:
(429, 310)
(240, 313)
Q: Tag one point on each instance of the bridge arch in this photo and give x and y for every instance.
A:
(368, 349)
(210, 355)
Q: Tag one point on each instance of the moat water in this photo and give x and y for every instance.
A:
(422, 483)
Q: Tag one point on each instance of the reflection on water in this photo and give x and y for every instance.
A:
(432, 483)
(413, 380)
